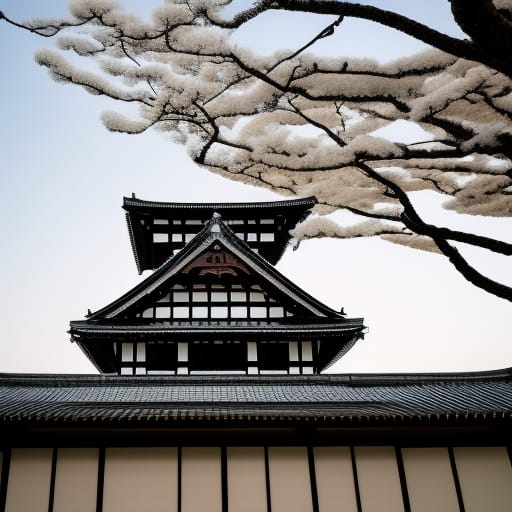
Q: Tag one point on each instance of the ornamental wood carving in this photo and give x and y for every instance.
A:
(216, 262)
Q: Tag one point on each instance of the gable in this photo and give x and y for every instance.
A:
(215, 285)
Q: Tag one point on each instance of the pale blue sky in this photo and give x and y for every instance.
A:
(65, 246)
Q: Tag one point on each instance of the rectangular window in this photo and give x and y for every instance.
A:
(239, 312)
(160, 221)
(200, 312)
(307, 352)
(199, 296)
(180, 312)
(161, 312)
(252, 354)
(76, 480)
(140, 479)
(127, 352)
(189, 236)
(294, 350)
(290, 484)
(147, 313)
(200, 480)
(246, 480)
(238, 296)
(219, 312)
(180, 296)
(256, 297)
(141, 352)
(177, 237)
(258, 312)
(267, 237)
(252, 237)
(267, 221)
(276, 312)
(159, 238)
(182, 351)
(219, 297)
(193, 222)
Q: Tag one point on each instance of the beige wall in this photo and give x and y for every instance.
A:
(247, 491)
(201, 480)
(379, 483)
(76, 479)
(430, 482)
(138, 479)
(485, 477)
(290, 486)
(335, 479)
(29, 480)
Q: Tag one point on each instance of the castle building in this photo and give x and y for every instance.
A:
(212, 394)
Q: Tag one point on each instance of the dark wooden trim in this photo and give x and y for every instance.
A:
(180, 456)
(101, 479)
(267, 479)
(4, 477)
(403, 479)
(224, 478)
(312, 476)
(53, 472)
(456, 480)
(356, 479)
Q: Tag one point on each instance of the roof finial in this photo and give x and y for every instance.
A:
(133, 195)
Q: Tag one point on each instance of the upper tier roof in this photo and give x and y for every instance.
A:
(196, 263)
(158, 229)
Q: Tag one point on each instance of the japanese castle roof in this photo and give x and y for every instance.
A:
(398, 399)
(217, 233)
(141, 213)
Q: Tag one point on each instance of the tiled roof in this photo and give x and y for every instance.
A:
(130, 202)
(358, 399)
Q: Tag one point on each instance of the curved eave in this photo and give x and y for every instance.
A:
(350, 327)
(136, 204)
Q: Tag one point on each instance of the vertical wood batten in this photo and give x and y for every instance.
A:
(4, 476)
(52, 480)
(456, 480)
(403, 480)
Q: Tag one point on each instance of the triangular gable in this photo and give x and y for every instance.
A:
(214, 251)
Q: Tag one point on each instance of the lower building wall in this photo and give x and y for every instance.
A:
(256, 479)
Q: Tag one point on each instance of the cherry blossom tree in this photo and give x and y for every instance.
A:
(304, 124)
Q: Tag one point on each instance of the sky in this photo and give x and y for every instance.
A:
(65, 246)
